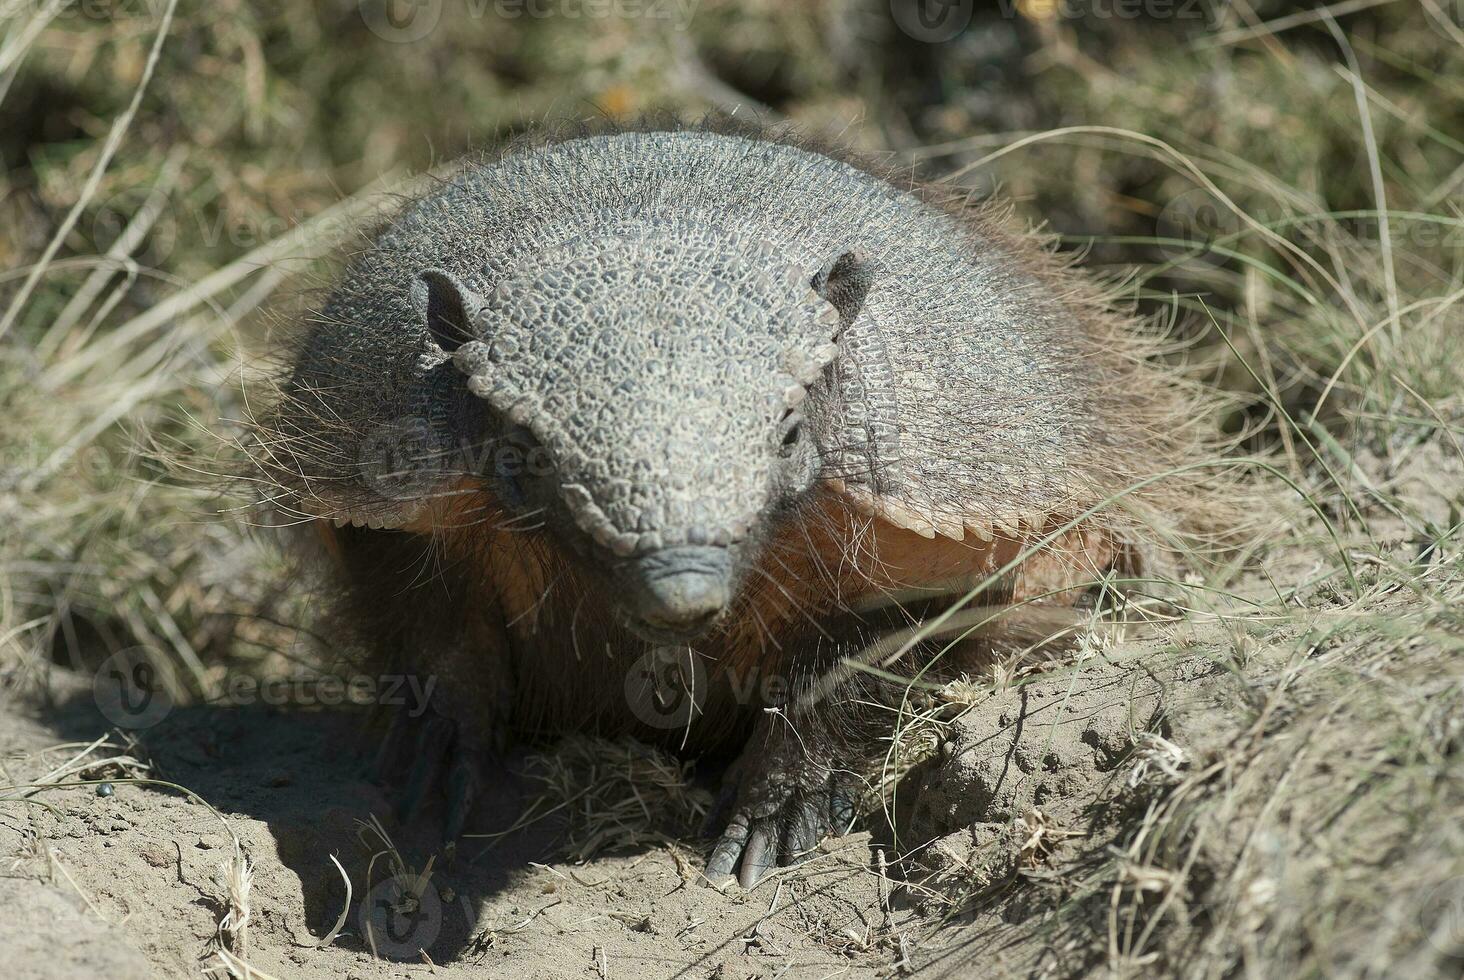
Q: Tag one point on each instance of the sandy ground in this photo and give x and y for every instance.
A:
(135, 884)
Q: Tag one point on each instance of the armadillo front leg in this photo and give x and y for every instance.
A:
(448, 755)
(465, 725)
(788, 790)
(800, 776)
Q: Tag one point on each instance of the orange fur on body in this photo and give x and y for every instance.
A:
(837, 558)
(571, 656)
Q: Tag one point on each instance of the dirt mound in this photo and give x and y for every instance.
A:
(139, 880)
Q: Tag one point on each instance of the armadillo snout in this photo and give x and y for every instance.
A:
(679, 592)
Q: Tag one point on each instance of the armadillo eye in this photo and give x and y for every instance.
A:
(792, 432)
(518, 455)
(521, 437)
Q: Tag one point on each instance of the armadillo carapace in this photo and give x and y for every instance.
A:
(678, 409)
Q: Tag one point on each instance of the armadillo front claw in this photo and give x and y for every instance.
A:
(729, 848)
(782, 831)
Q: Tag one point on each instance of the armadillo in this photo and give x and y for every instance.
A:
(707, 410)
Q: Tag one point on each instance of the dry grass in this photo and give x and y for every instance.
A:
(1301, 237)
(612, 796)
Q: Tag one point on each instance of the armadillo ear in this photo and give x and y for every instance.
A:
(845, 281)
(450, 309)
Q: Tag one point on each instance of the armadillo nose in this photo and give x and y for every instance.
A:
(683, 590)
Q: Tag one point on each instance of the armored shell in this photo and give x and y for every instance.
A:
(953, 389)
